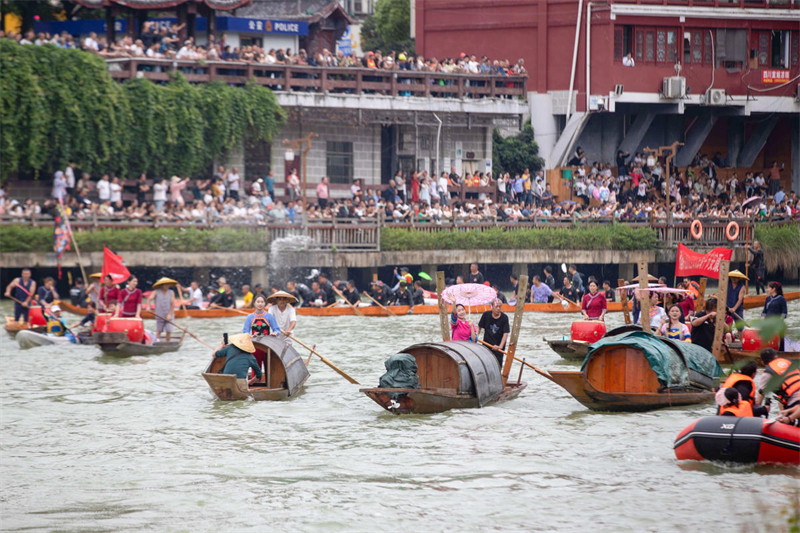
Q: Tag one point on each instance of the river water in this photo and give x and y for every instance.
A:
(91, 443)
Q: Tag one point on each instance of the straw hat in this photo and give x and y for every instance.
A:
(96, 275)
(650, 277)
(175, 179)
(243, 342)
(164, 281)
(737, 274)
(271, 299)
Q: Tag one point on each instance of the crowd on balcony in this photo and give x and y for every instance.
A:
(636, 192)
(163, 43)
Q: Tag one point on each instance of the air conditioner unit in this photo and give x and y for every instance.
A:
(674, 87)
(716, 97)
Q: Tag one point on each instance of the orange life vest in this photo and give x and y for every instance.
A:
(742, 410)
(791, 380)
(735, 378)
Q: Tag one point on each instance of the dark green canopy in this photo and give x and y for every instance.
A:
(401, 372)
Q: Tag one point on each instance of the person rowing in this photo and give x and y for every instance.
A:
(495, 326)
(239, 358)
(24, 288)
(281, 308)
(164, 309)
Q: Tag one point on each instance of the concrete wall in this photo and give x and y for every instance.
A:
(476, 140)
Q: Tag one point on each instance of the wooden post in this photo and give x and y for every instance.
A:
(623, 299)
(644, 298)
(443, 319)
(700, 304)
(74, 241)
(722, 310)
(511, 348)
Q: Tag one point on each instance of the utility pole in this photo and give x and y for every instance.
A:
(298, 144)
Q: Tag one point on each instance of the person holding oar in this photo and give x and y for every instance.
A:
(24, 288)
(496, 329)
(164, 300)
(282, 310)
(239, 357)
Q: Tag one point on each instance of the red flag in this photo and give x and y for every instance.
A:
(691, 263)
(114, 265)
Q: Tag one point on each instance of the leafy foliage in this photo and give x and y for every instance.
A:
(609, 237)
(40, 239)
(389, 28)
(61, 105)
(515, 154)
(781, 244)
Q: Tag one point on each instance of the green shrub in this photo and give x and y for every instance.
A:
(605, 237)
(781, 244)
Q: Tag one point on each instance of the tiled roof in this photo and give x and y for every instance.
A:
(309, 10)
(164, 4)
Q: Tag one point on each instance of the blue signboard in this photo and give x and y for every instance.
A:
(234, 24)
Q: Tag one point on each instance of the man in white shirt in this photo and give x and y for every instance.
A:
(116, 191)
(185, 52)
(627, 61)
(90, 43)
(195, 296)
(160, 194)
(233, 184)
(104, 189)
(69, 174)
(442, 183)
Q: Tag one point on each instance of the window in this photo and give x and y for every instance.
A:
(697, 48)
(339, 161)
(647, 45)
(775, 48)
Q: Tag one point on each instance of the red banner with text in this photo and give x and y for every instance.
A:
(691, 263)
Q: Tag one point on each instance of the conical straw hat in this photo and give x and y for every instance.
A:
(272, 298)
(243, 342)
(164, 281)
(737, 274)
(650, 277)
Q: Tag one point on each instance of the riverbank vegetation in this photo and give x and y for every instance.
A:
(607, 237)
(59, 105)
(781, 243)
(40, 239)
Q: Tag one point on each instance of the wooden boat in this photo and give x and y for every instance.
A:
(452, 375)
(578, 350)
(12, 327)
(618, 374)
(733, 353)
(285, 375)
(750, 302)
(30, 339)
(116, 344)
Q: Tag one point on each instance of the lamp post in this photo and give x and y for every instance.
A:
(304, 145)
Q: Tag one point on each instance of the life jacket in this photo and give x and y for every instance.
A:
(735, 378)
(260, 326)
(55, 327)
(694, 289)
(791, 380)
(742, 410)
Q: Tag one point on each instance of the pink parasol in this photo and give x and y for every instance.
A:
(469, 294)
(636, 286)
(663, 289)
(751, 199)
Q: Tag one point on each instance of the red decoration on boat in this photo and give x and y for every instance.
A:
(588, 330)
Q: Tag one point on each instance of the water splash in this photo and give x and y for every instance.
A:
(280, 268)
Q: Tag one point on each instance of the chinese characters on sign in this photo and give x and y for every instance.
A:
(775, 76)
(691, 263)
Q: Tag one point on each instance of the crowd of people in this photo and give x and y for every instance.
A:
(163, 42)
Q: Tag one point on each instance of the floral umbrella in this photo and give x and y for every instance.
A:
(469, 294)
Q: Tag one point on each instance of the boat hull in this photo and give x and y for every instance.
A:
(569, 350)
(117, 345)
(28, 339)
(733, 355)
(582, 390)
(12, 327)
(427, 401)
(227, 387)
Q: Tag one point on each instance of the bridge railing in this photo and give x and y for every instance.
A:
(343, 80)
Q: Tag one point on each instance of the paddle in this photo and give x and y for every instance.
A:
(353, 307)
(334, 367)
(542, 372)
(195, 337)
(564, 298)
(379, 304)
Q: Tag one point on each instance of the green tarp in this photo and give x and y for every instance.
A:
(665, 361)
(401, 372)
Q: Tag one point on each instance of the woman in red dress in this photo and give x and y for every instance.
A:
(130, 300)
(414, 188)
(593, 305)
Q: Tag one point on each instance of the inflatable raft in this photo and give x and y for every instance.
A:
(739, 440)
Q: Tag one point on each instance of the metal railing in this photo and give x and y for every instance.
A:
(342, 80)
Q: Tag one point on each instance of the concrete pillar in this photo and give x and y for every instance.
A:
(519, 269)
(735, 140)
(695, 140)
(611, 136)
(340, 273)
(259, 275)
(757, 141)
(545, 125)
(635, 133)
(430, 270)
(795, 153)
(627, 271)
(201, 276)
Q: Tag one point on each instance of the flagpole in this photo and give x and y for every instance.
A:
(74, 241)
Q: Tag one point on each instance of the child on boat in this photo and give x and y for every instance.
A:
(460, 328)
(673, 328)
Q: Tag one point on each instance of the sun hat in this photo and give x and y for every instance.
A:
(55, 309)
(164, 281)
(243, 342)
(737, 274)
(272, 298)
(96, 275)
(175, 179)
(650, 277)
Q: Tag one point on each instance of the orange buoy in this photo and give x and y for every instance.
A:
(696, 229)
(735, 226)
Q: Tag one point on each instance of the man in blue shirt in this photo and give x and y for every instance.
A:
(540, 292)
(269, 184)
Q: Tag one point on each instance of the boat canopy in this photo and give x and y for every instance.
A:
(401, 372)
(293, 364)
(671, 361)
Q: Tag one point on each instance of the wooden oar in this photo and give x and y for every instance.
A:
(564, 298)
(352, 306)
(542, 372)
(195, 337)
(380, 304)
(334, 367)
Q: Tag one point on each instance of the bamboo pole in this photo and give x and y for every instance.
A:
(74, 241)
(443, 321)
(623, 299)
(644, 297)
(522, 287)
(327, 362)
(195, 337)
(722, 310)
(700, 304)
(353, 307)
